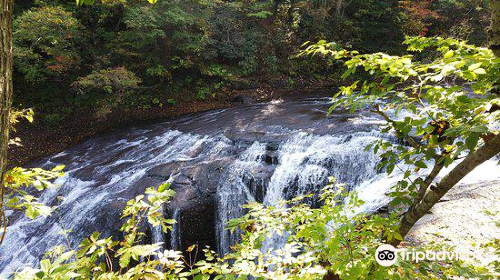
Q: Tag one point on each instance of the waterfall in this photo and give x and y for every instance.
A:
(98, 182)
(233, 193)
(157, 235)
(224, 159)
(175, 234)
(306, 162)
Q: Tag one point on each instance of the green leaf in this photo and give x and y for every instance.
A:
(390, 168)
(475, 66)
(85, 2)
(45, 265)
(163, 187)
(471, 141)
(463, 99)
(58, 168)
(479, 129)
(449, 54)
(420, 164)
(398, 236)
(125, 260)
(480, 71)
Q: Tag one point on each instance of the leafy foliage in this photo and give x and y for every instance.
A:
(449, 99)
(174, 46)
(449, 103)
(109, 81)
(19, 196)
(334, 241)
(21, 183)
(45, 41)
(334, 238)
(461, 19)
(107, 89)
(96, 257)
(15, 117)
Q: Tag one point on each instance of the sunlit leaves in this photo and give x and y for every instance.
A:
(21, 182)
(125, 254)
(97, 256)
(334, 237)
(446, 100)
(147, 207)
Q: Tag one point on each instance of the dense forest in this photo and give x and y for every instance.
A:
(198, 139)
(121, 55)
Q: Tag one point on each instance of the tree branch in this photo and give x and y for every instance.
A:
(438, 166)
(435, 193)
(408, 138)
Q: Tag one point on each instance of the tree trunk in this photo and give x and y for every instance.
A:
(6, 7)
(494, 32)
(435, 193)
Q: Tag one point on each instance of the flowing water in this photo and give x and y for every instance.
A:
(220, 160)
(175, 234)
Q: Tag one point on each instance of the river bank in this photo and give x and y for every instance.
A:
(40, 141)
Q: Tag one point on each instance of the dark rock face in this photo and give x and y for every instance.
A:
(271, 157)
(198, 226)
(244, 99)
(196, 187)
(258, 181)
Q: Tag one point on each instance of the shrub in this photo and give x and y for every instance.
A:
(109, 81)
(330, 242)
(107, 88)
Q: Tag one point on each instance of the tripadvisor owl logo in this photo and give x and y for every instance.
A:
(387, 255)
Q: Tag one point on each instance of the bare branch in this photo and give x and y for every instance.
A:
(408, 138)
(438, 166)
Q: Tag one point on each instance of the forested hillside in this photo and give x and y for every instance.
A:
(127, 54)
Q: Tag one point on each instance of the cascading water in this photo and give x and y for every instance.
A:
(234, 192)
(175, 234)
(157, 235)
(220, 160)
(306, 162)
